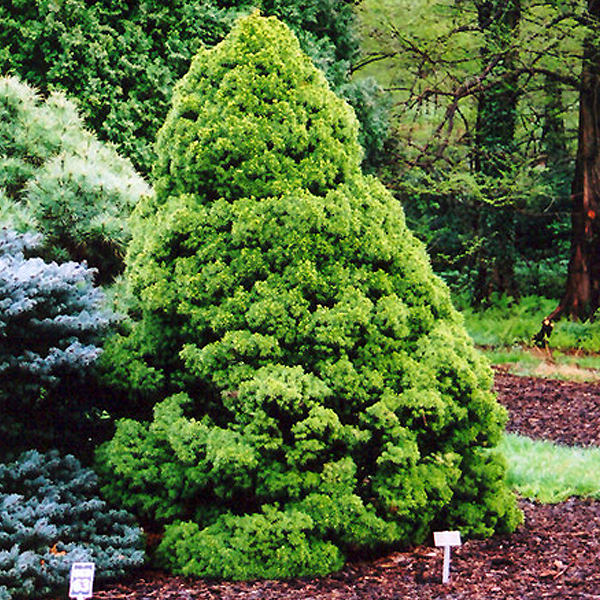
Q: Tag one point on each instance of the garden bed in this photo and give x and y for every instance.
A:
(555, 554)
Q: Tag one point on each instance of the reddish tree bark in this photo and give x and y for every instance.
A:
(582, 291)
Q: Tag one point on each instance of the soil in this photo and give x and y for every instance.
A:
(554, 554)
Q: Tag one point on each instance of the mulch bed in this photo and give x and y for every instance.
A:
(561, 411)
(555, 554)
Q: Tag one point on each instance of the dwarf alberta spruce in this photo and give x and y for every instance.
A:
(51, 516)
(317, 392)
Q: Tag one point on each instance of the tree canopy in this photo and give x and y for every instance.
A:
(485, 133)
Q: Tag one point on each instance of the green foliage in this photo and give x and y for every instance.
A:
(484, 120)
(544, 276)
(51, 325)
(281, 542)
(121, 60)
(574, 334)
(51, 516)
(315, 386)
(245, 137)
(506, 322)
(550, 473)
(56, 178)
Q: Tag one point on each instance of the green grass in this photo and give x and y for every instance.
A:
(549, 472)
(541, 470)
(504, 331)
(528, 362)
(585, 362)
(508, 323)
(515, 356)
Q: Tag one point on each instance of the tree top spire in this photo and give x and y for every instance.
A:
(254, 117)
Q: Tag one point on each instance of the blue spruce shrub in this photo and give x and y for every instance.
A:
(52, 322)
(52, 516)
(317, 391)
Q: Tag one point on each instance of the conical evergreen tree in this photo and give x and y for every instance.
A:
(324, 395)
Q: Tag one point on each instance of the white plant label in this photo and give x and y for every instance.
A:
(82, 580)
(446, 539)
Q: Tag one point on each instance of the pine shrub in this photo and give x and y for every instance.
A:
(52, 516)
(57, 179)
(316, 390)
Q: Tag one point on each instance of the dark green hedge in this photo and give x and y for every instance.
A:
(121, 59)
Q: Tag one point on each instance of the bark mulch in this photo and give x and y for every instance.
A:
(554, 554)
(561, 411)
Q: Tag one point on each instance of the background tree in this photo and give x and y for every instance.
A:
(316, 389)
(57, 179)
(51, 325)
(121, 59)
(444, 65)
(495, 146)
(581, 297)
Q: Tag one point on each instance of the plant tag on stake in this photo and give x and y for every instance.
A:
(82, 580)
(446, 539)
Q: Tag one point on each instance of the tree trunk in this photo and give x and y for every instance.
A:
(495, 128)
(554, 137)
(582, 291)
